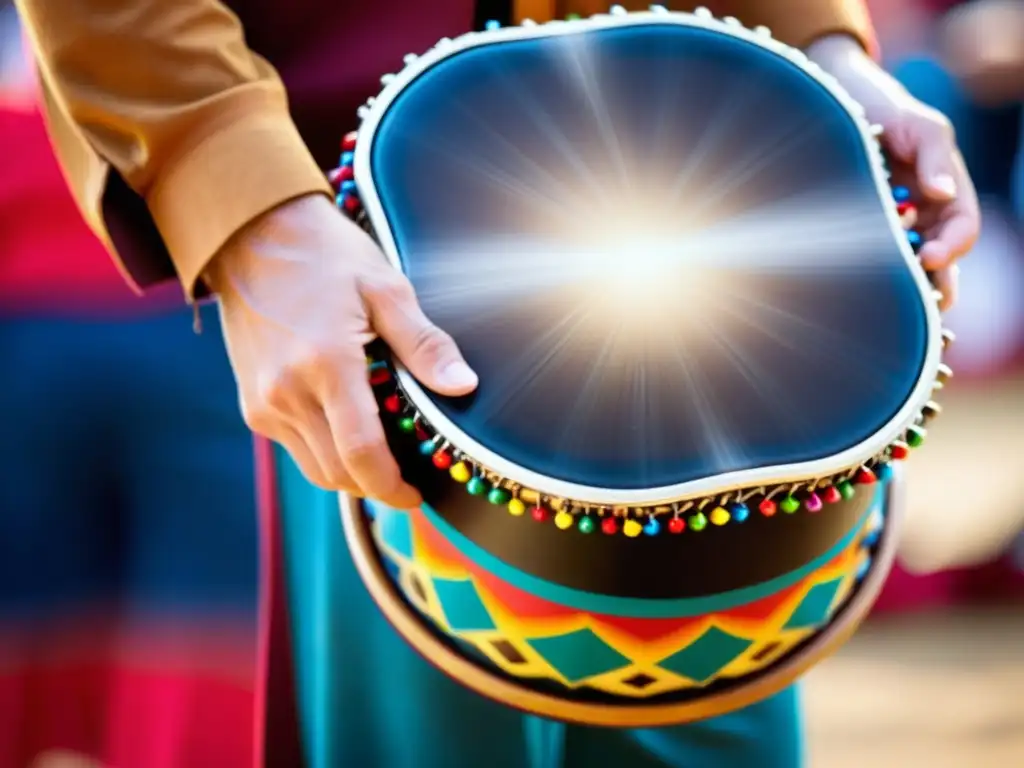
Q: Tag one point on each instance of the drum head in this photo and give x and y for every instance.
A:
(668, 256)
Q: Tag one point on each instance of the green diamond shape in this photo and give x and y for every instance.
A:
(706, 656)
(395, 530)
(462, 606)
(579, 655)
(816, 607)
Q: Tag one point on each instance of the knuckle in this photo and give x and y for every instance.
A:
(432, 342)
(362, 451)
(389, 289)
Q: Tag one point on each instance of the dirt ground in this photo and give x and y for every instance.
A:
(930, 691)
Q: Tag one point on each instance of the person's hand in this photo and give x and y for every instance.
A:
(302, 291)
(923, 157)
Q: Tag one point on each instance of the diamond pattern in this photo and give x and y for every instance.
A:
(579, 655)
(816, 606)
(462, 606)
(706, 656)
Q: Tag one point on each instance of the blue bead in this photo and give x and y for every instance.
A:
(347, 158)
(652, 527)
(862, 571)
(348, 187)
(339, 200)
(492, 25)
(427, 447)
(739, 511)
(872, 538)
(914, 238)
(884, 472)
(900, 194)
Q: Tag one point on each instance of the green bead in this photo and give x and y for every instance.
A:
(915, 436)
(572, 17)
(408, 424)
(846, 489)
(587, 524)
(476, 486)
(789, 505)
(498, 496)
(698, 522)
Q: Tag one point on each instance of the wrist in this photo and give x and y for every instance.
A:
(837, 52)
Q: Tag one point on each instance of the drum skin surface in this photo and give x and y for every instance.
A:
(669, 248)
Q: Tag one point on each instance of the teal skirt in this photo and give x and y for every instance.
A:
(367, 699)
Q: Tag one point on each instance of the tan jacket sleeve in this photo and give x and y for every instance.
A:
(162, 102)
(797, 22)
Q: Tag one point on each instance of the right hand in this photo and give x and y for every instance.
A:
(302, 291)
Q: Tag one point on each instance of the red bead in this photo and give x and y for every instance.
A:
(339, 176)
(539, 514)
(767, 507)
(865, 476)
(421, 433)
(831, 495)
(900, 451)
(349, 142)
(392, 404)
(609, 526)
(442, 459)
(380, 376)
(676, 525)
(905, 206)
(352, 204)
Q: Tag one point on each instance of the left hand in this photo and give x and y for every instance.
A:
(923, 157)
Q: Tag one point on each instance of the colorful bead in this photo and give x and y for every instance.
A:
(586, 524)
(720, 516)
(632, 528)
(492, 25)
(442, 459)
(676, 525)
(351, 204)
(900, 194)
(516, 508)
(348, 143)
(539, 514)
(380, 376)
(767, 507)
(460, 472)
(931, 410)
(915, 436)
(698, 522)
(498, 496)
(652, 527)
(348, 187)
(884, 472)
(392, 404)
(427, 447)
(408, 424)
(813, 502)
(609, 526)
(899, 450)
(739, 511)
(832, 495)
(915, 240)
(476, 486)
(790, 504)
(865, 476)
(347, 158)
(421, 432)
(846, 489)
(563, 520)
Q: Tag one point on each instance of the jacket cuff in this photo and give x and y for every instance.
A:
(252, 161)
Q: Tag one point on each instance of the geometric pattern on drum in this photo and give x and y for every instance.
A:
(623, 657)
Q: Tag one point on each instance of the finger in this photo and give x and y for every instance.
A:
(936, 160)
(947, 282)
(951, 239)
(354, 419)
(427, 351)
(311, 467)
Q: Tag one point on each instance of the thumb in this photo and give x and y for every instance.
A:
(936, 165)
(429, 353)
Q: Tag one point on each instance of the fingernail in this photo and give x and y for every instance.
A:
(944, 183)
(457, 374)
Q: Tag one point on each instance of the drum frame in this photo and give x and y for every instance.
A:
(478, 678)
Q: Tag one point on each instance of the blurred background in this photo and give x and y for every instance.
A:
(932, 680)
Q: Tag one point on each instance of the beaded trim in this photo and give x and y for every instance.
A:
(809, 495)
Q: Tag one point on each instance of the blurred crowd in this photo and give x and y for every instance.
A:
(95, 512)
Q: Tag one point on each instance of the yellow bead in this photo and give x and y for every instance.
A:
(632, 528)
(720, 516)
(516, 508)
(460, 472)
(563, 520)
